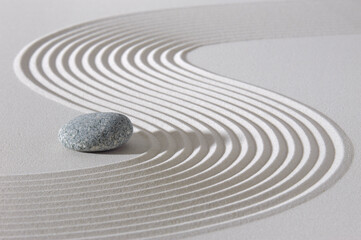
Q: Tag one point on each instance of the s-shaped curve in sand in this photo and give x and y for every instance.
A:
(222, 152)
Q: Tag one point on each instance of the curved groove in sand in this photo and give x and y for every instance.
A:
(222, 152)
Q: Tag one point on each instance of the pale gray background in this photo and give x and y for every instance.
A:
(322, 72)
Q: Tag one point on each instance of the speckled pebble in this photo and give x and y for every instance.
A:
(95, 132)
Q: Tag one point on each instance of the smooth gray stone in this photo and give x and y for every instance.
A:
(95, 132)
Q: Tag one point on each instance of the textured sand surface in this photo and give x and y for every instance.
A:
(219, 152)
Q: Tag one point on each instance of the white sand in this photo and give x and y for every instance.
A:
(218, 152)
